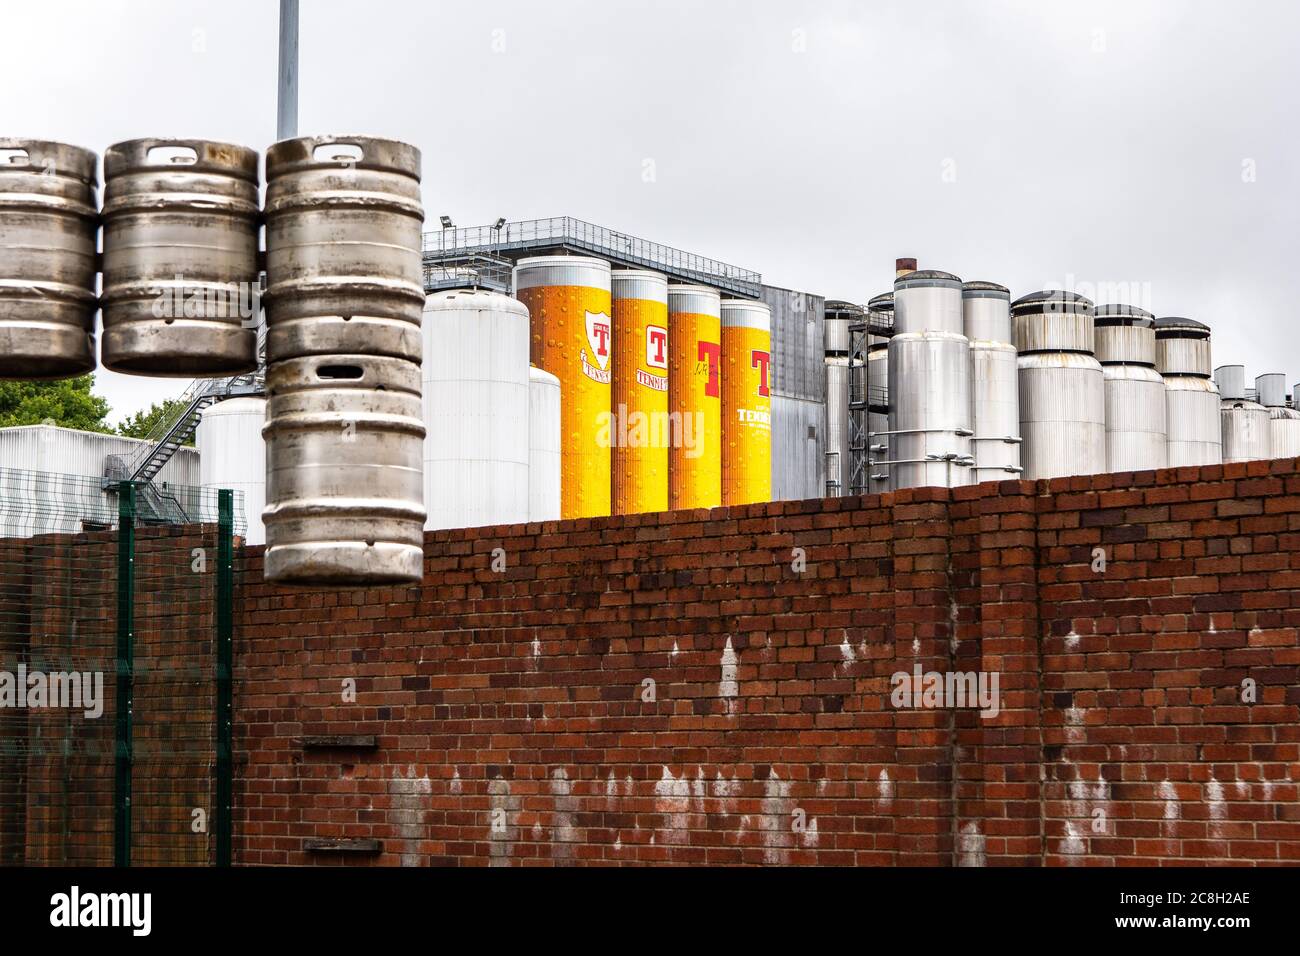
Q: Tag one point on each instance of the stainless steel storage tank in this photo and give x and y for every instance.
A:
(49, 221)
(343, 248)
(1245, 423)
(475, 383)
(1195, 436)
(928, 301)
(839, 317)
(1284, 421)
(180, 294)
(344, 465)
(1062, 387)
(995, 402)
(1136, 417)
(929, 410)
(543, 445)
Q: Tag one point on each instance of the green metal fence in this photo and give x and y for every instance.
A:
(115, 673)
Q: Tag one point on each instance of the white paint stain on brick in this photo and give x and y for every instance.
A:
(563, 832)
(501, 835)
(776, 822)
(810, 837)
(672, 655)
(672, 802)
(1243, 789)
(1173, 809)
(725, 791)
(885, 787)
(846, 651)
(916, 646)
(537, 647)
(1071, 641)
(455, 785)
(409, 797)
(1075, 718)
(970, 846)
(1218, 809)
(728, 687)
(1073, 844)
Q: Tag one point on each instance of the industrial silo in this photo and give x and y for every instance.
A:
(695, 397)
(49, 227)
(835, 339)
(929, 384)
(544, 403)
(1245, 423)
(232, 454)
(475, 371)
(572, 338)
(747, 402)
(1136, 430)
(1062, 387)
(995, 388)
(1284, 421)
(640, 436)
(880, 319)
(1195, 435)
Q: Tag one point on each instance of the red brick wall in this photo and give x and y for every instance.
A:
(514, 726)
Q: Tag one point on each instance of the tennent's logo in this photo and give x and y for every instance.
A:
(710, 358)
(598, 339)
(656, 346)
(761, 361)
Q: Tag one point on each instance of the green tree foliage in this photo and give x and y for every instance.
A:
(142, 424)
(69, 403)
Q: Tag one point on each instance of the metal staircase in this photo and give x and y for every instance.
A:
(171, 435)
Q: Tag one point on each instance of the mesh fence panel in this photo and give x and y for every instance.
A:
(105, 600)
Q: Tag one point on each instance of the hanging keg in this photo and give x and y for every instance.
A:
(343, 248)
(344, 298)
(344, 471)
(49, 220)
(180, 294)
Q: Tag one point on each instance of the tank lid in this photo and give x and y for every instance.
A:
(984, 290)
(1115, 314)
(1176, 323)
(927, 278)
(841, 306)
(881, 303)
(1056, 301)
(637, 274)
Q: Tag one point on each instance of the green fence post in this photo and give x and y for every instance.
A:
(125, 672)
(225, 666)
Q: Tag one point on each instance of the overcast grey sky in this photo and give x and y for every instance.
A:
(1143, 145)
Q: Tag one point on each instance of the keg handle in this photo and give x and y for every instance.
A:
(15, 157)
(343, 153)
(171, 154)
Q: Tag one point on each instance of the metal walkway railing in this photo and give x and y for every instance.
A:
(565, 232)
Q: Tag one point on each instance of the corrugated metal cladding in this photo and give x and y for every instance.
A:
(798, 366)
(798, 393)
(66, 451)
(798, 445)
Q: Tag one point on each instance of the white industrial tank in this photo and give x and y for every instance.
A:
(232, 454)
(475, 409)
(1137, 432)
(543, 445)
(1191, 396)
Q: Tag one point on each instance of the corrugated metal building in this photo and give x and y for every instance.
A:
(798, 394)
(33, 505)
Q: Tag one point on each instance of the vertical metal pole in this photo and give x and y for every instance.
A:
(225, 665)
(125, 673)
(286, 120)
